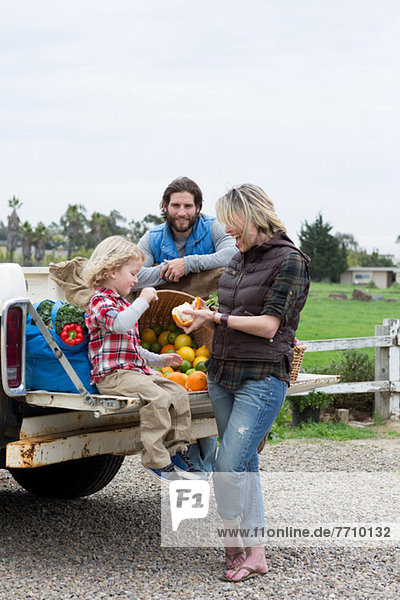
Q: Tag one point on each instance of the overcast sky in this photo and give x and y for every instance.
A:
(103, 103)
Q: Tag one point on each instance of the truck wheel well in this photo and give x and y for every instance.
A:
(70, 479)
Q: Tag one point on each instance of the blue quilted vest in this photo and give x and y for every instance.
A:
(199, 242)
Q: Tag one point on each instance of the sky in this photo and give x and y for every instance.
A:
(104, 103)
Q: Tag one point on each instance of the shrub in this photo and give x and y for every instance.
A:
(312, 400)
(282, 422)
(353, 365)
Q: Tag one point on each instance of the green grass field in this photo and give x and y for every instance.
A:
(325, 318)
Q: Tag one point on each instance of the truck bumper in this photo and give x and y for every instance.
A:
(44, 450)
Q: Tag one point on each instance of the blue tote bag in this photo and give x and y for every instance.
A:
(44, 371)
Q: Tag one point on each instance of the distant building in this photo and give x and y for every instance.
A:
(383, 277)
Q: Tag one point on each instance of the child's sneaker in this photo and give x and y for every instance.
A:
(166, 474)
(184, 466)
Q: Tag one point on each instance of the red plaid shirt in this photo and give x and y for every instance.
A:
(109, 351)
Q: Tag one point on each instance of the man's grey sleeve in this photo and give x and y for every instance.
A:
(225, 248)
(151, 358)
(149, 274)
(127, 318)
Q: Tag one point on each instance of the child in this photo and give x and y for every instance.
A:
(119, 362)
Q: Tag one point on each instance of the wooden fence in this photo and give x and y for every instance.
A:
(386, 385)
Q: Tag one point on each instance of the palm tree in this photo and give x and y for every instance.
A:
(73, 223)
(13, 226)
(40, 235)
(26, 243)
(97, 225)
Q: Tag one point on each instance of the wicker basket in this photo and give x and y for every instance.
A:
(160, 312)
(298, 353)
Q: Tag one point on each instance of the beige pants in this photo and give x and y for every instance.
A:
(164, 419)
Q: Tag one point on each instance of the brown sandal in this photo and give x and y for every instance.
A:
(231, 557)
(251, 573)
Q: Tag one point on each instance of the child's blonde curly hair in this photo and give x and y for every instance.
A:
(111, 254)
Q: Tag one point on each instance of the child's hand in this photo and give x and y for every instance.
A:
(171, 360)
(149, 294)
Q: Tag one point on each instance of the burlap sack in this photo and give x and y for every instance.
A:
(68, 276)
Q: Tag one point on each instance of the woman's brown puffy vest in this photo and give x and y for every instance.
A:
(242, 290)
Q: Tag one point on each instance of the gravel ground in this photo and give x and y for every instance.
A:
(108, 545)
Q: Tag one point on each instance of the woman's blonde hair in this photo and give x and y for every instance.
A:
(111, 254)
(251, 203)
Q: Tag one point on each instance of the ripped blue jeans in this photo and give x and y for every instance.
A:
(243, 418)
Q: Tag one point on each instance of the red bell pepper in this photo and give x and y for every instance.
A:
(72, 334)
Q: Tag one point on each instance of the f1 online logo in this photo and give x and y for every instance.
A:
(188, 500)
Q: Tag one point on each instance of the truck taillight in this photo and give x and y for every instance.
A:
(13, 319)
(13, 348)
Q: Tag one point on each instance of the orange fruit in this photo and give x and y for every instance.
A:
(197, 381)
(148, 335)
(178, 377)
(166, 348)
(203, 351)
(199, 359)
(186, 353)
(163, 338)
(197, 303)
(167, 370)
(180, 318)
(182, 340)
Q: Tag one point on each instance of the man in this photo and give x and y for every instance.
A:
(187, 242)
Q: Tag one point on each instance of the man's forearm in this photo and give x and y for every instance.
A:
(149, 277)
(197, 262)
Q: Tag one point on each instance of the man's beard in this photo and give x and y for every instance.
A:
(180, 227)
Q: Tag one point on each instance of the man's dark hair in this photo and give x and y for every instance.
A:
(182, 184)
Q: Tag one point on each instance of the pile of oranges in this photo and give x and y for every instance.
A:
(191, 372)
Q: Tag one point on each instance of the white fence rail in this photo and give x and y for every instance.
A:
(386, 385)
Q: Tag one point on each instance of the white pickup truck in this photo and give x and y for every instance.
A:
(61, 444)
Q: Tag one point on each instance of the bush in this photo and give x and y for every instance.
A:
(312, 400)
(281, 424)
(353, 365)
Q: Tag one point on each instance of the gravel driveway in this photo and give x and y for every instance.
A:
(108, 545)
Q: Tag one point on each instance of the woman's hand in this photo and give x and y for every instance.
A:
(171, 359)
(203, 316)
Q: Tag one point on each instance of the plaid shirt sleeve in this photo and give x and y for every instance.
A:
(101, 314)
(289, 284)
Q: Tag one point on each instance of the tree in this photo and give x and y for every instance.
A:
(73, 224)
(26, 243)
(3, 231)
(39, 236)
(363, 259)
(13, 226)
(54, 236)
(139, 228)
(348, 240)
(97, 225)
(102, 226)
(328, 255)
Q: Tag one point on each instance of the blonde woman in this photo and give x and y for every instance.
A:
(261, 294)
(119, 363)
